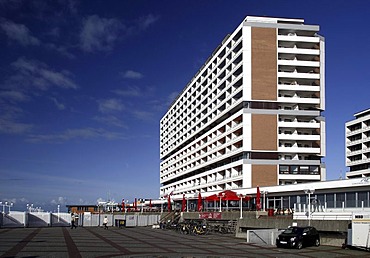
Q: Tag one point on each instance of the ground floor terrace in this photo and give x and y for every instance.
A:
(327, 196)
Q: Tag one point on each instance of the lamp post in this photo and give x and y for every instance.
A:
(221, 195)
(58, 211)
(309, 192)
(241, 205)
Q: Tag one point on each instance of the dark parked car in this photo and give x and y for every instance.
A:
(297, 237)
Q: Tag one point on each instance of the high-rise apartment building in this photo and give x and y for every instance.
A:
(358, 145)
(252, 115)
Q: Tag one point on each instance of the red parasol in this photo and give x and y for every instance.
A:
(258, 199)
(183, 205)
(200, 205)
(123, 204)
(169, 203)
(212, 198)
(247, 197)
(229, 195)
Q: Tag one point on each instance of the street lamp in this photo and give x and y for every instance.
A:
(221, 195)
(309, 192)
(241, 205)
(58, 211)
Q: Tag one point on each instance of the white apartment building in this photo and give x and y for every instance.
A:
(358, 145)
(252, 115)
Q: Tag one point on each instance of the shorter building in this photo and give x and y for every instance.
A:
(358, 145)
(82, 208)
(325, 196)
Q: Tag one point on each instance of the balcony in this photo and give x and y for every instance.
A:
(357, 162)
(298, 63)
(296, 137)
(295, 38)
(299, 124)
(299, 177)
(304, 51)
(315, 76)
(299, 150)
(298, 87)
(299, 100)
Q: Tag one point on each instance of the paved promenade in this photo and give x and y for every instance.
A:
(143, 242)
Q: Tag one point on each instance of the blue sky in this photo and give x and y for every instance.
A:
(83, 85)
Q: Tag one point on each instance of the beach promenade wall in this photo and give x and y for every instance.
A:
(61, 219)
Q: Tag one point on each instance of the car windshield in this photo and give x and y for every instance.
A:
(293, 230)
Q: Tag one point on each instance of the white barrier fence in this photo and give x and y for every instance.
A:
(260, 236)
(46, 219)
(323, 216)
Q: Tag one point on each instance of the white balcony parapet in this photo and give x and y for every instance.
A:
(298, 51)
(356, 162)
(299, 150)
(298, 137)
(298, 87)
(295, 38)
(299, 100)
(298, 63)
(298, 124)
(299, 75)
(298, 177)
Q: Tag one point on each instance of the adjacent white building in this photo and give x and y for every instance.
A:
(252, 115)
(358, 145)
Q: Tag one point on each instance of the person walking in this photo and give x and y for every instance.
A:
(105, 222)
(73, 220)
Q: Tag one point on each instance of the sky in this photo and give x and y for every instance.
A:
(84, 84)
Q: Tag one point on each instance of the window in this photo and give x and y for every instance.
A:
(363, 198)
(284, 169)
(339, 200)
(294, 169)
(351, 199)
(330, 200)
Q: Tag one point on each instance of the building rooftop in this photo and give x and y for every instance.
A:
(362, 113)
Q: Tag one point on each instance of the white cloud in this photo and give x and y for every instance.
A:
(70, 134)
(99, 33)
(143, 115)
(110, 120)
(171, 97)
(129, 91)
(19, 33)
(13, 95)
(145, 22)
(59, 105)
(129, 74)
(60, 200)
(9, 126)
(39, 75)
(110, 105)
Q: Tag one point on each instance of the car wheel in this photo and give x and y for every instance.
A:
(317, 242)
(299, 245)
